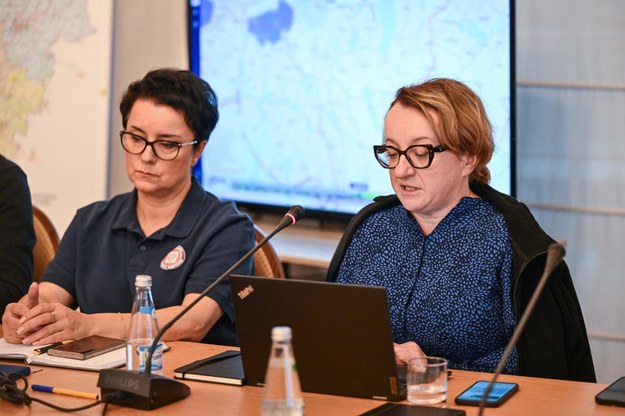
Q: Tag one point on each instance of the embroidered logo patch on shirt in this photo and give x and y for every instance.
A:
(174, 259)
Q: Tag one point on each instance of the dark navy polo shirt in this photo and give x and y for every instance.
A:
(104, 249)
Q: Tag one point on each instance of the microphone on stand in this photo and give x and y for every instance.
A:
(149, 391)
(555, 254)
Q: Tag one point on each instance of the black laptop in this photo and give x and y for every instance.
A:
(341, 334)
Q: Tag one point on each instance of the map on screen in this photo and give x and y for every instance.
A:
(303, 88)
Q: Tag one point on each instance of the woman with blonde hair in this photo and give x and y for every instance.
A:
(459, 259)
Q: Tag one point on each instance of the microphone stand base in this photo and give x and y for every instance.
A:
(136, 390)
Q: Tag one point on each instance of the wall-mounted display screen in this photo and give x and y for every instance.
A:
(303, 88)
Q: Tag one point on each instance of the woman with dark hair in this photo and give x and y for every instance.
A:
(168, 228)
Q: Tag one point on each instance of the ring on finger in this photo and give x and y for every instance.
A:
(53, 316)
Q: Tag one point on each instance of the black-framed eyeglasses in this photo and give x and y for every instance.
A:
(419, 156)
(163, 149)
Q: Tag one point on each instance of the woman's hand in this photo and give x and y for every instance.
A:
(52, 322)
(11, 322)
(14, 312)
(406, 352)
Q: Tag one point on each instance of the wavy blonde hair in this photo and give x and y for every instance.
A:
(463, 126)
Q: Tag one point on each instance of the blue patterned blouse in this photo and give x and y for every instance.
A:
(450, 291)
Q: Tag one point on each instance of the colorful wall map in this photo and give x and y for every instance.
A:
(55, 74)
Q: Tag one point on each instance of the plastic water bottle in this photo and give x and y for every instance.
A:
(282, 395)
(142, 330)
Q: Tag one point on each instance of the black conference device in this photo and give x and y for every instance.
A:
(150, 391)
(613, 395)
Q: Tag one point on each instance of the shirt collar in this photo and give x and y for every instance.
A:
(183, 222)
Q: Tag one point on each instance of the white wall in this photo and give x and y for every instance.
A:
(149, 34)
(570, 151)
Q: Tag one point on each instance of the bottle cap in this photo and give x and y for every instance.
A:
(281, 333)
(143, 280)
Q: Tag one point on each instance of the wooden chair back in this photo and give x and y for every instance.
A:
(47, 242)
(266, 260)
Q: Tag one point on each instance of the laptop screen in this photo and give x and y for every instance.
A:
(342, 337)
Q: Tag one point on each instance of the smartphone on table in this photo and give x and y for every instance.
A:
(85, 348)
(613, 395)
(500, 392)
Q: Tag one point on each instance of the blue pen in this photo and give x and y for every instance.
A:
(57, 390)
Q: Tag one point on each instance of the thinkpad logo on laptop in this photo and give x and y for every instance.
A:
(243, 293)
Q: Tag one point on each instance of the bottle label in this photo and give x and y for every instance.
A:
(157, 357)
(148, 310)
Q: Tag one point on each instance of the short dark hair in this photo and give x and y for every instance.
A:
(181, 90)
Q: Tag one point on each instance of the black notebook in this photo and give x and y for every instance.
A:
(224, 368)
(395, 409)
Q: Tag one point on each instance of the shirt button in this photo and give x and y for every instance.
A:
(142, 248)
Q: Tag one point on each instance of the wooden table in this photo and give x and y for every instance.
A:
(536, 396)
